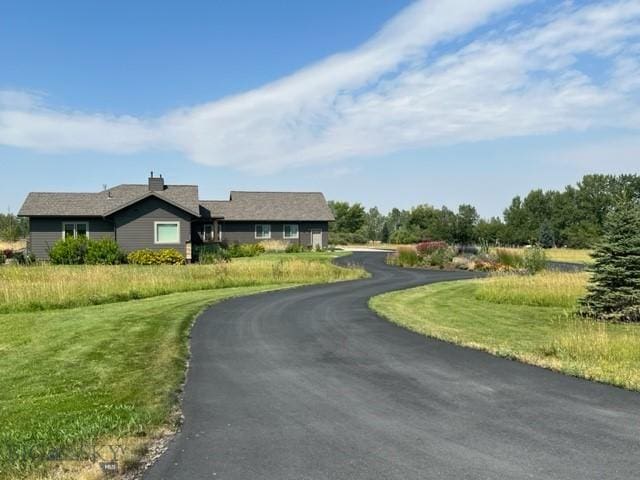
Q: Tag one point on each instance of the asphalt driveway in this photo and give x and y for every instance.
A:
(310, 384)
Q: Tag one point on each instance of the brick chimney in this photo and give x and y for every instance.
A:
(156, 184)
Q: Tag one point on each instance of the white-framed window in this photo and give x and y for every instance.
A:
(263, 230)
(207, 232)
(166, 232)
(290, 231)
(75, 229)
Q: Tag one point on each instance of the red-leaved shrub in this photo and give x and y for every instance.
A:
(427, 248)
(8, 253)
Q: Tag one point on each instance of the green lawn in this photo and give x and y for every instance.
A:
(547, 336)
(71, 377)
(79, 375)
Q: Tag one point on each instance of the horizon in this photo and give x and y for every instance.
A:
(379, 103)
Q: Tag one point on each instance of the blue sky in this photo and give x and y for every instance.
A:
(386, 103)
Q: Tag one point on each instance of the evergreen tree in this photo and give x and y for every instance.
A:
(546, 238)
(384, 234)
(614, 292)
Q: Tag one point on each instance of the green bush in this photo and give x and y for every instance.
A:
(104, 252)
(440, 257)
(245, 250)
(2, 258)
(294, 248)
(534, 259)
(70, 251)
(407, 257)
(167, 256)
(208, 254)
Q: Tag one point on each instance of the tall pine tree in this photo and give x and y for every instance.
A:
(614, 291)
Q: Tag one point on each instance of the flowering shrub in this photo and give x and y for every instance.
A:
(167, 256)
(427, 248)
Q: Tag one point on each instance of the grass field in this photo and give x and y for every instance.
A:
(43, 287)
(74, 377)
(526, 318)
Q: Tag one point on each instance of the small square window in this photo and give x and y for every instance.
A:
(263, 230)
(291, 230)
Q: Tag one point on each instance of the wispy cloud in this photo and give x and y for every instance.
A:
(427, 78)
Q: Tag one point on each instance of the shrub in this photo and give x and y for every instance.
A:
(2, 258)
(534, 260)
(407, 257)
(104, 252)
(440, 257)
(142, 257)
(294, 248)
(208, 254)
(429, 247)
(245, 250)
(70, 251)
(167, 256)
(170, 256)
(8, 253)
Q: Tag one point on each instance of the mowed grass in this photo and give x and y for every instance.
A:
(530, 319)
(72, 377)
(44, 287)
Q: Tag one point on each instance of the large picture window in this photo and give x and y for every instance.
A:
(263, 230)
(75, 229)
(291, 230)
(167, 232)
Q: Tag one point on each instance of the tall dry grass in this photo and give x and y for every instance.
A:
(569, 255)
(44, 287)
(19, 245)
(601, 351)
(274, 245)
(546, 289)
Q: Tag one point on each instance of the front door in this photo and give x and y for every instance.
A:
(316, 238)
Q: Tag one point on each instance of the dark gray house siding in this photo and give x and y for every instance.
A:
(244, 232)
(45, 231)
(135, 225)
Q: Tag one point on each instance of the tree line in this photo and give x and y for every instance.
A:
(573, 217)
(13, 228)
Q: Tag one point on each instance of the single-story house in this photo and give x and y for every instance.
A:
(156, 215)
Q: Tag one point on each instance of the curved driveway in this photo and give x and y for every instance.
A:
(310, 384)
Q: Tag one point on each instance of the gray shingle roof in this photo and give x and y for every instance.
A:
(100, 204)
(274, 206)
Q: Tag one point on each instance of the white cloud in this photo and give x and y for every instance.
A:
(396, 91)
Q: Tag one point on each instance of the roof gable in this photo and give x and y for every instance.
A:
(106, 202)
